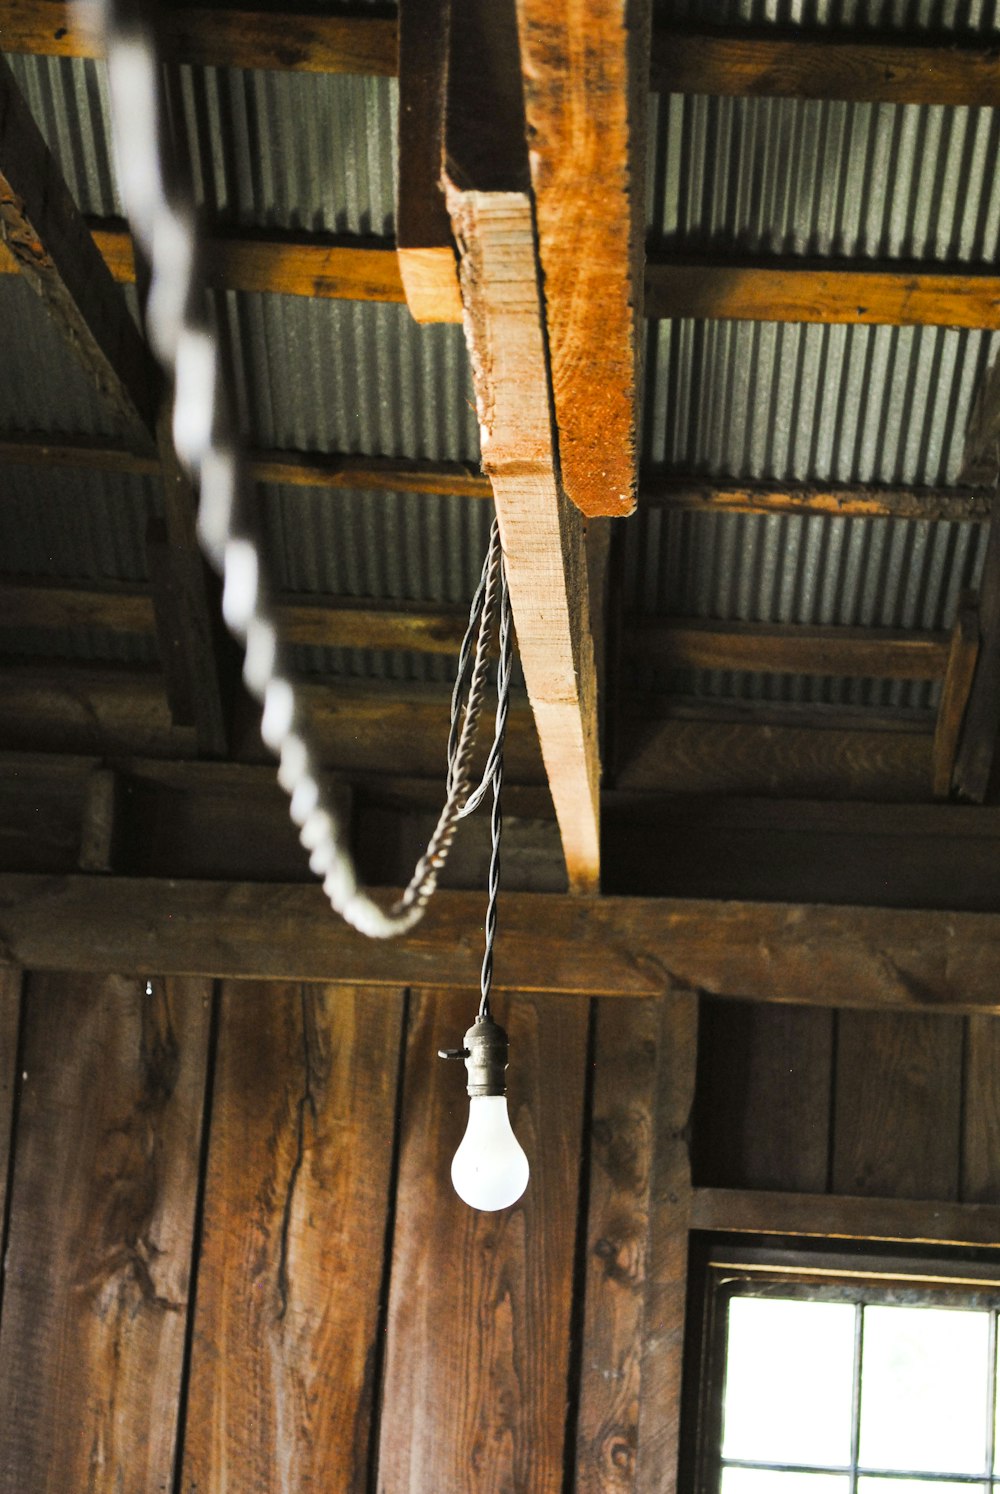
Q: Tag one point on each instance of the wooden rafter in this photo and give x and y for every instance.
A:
(881, 959)
(694, 643)
(543, 535)
(959, 673)
(976, 752)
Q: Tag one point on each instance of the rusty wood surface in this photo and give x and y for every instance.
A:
(883, 958)
(897, 1106)
(44, 235)
(963, 651)
(840, 1217)
(764, 1087)
(585, 69)
(980, 1175)
(477, 1357)
(286, 1335)
(100, 1250)
(959, 505)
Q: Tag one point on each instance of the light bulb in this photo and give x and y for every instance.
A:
(489, 1170)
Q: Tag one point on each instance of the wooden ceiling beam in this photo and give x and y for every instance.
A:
(780, 289)
(769, 62)
(975, 755)
(47, 242)
(867, 501)
(880, 959)
(587, 162)
(778, 648)
(492, 215)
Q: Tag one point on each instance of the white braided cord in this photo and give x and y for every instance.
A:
(163, 223)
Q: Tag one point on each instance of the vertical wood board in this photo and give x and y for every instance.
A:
(981, 1112)
(99, 1257)
(282, 1385)
(762, 1118)
(10, 1013)
(480, 1304)
(897, 1106)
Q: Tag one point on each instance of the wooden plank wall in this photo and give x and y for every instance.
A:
(234, 1259)
(878, 1105)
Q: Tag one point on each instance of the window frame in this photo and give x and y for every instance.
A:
(866, 1275)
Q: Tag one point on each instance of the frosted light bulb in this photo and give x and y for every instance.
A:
(489, 1170)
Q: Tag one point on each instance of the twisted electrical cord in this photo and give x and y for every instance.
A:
(494, 776)
(164, 226)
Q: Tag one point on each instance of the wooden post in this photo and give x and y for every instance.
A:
(959, 673)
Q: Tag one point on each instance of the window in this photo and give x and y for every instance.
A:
(830, 1376)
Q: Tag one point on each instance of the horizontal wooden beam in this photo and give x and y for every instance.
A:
(698, 286)
(323, 622)
(902, 1221)
(242, 37)
(879, 653)
(783, 291)
(768, 63)
(302, 469)
(865, 501)
(881, 959)
(859, 68)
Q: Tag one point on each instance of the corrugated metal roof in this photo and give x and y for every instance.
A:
(75, 525)
(800, 176)
(797, 401)
(961, 17)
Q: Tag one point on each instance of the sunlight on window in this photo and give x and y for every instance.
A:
(924, 1373)
(789, 1377)
(872, 1485)
(764, 1480)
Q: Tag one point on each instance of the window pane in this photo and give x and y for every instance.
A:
(763, 1481)
(789, 1371)
(915, 1486)
(923, 1379)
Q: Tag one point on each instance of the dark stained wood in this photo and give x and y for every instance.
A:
(886, 959)
(282, 1388)
(763, 1108)
(788, 64)
(773, 758)
(877, 855)
(477, 1355)
(424, 243)
(89, 709)
(307, 42)
(636, 1242)
(45, 234)
(309, 469)
(100, 1248)
(783, 291)
(959, 672)
(588, 175)
(714, 495)
(100, 821)
(836, 1217)
(981, 452)
(981, 1112)
(670, 1218)
(897, 1106)
(10, 1015)
(977, 745)
(699, 643)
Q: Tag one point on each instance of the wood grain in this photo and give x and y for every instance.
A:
(841, 1217)
(702, 643)
(956, 687)
(883, 958)
(875, 69)
(10, 1018)
(871, 501)
(45, 234)
(976, 753)
(585, 69)
(981, 1112)
(283, 1373)
(897, 1106)
(670, 1220)
(100, 1248)
(477, 1359)
(543, 536)
(764, 1084)
(248, 38)
(783, 291)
